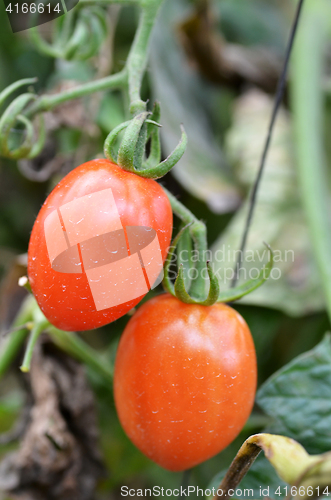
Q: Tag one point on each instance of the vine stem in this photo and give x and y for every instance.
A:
(12, 343)
(48, 102)
(130, 77)
(138, 56)
(198, 233)
(307, 105)
(69, 342)
(36, 331)
(277, 103)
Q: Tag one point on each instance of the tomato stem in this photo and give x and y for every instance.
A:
(36, 331)
(14, 86)
(129, 80)
(198, 233)
(31, 319)
(197, 291)
(137, 59)
(12, 344)
(48, 102)
(131, 76)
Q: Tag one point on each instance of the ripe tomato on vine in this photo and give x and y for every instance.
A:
(185, 380)
(98, 245)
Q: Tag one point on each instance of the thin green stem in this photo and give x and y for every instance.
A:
(76, 347)
(137, 59)
(181, 211)
(10, 349)
(67, 25)
(307, 104)
(48, 102)
(130, 76)
(67, 341)
(129, 80)
(198, 233)
(36, 331)
(13, 342)
(199, 236)
(64, 6)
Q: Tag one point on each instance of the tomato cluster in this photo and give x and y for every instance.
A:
(185, 374)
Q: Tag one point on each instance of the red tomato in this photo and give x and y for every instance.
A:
(97, 245)
(185, 380)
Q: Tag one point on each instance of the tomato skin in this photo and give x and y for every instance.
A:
(185, 380)
(66, 299)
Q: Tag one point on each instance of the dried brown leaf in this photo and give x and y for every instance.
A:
(58, 457)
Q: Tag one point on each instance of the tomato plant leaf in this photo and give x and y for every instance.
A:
(298, 397)
(278, 217)
(289, 459)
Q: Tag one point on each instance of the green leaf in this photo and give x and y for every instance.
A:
(278, 218)
(184, 98)
(298, 397)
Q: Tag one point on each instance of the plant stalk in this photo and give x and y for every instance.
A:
(11, 345)
(307, 105)
(131, 76)
(198, 232)
(48, 102)
(138, 56)
(36, 331)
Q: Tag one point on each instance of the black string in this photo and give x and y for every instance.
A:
(278, 100)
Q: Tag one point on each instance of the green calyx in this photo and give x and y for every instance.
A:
(131, 156)
(13, 117)
(179, 287)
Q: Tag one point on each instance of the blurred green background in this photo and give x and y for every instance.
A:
(214, 67)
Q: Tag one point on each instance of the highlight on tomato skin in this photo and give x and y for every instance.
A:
(185, 380)
(98, 245)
